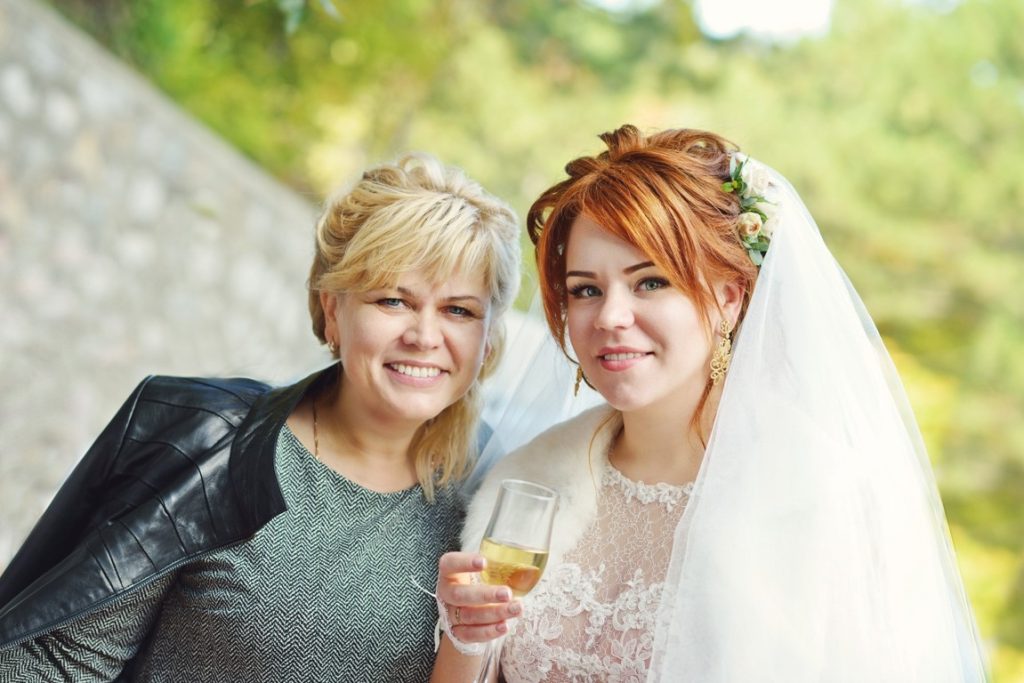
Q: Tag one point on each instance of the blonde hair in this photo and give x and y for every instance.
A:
(420, 215)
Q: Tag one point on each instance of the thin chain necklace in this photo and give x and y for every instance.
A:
(316, 440)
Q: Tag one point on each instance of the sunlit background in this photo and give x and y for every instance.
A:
(901, 123)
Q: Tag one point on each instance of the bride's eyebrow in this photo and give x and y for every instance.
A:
(581, 273)
(627, 271)
(638, 266)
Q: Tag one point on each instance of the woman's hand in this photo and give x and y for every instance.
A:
(477, 611)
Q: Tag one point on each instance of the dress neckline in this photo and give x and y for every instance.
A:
(668, 495)
(335, 477)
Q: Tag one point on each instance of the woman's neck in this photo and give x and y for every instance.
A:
(661, 443)
(369, 450)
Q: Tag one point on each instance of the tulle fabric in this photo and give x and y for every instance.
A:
(532, 390)
(814, 547)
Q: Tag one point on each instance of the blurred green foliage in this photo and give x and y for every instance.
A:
(903, 129)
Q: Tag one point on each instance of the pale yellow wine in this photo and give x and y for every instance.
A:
(513, 566)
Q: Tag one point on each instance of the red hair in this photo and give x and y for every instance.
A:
(661, 193)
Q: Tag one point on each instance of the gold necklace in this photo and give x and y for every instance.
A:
(316, 440)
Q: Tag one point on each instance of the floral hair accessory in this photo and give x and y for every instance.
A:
(751, 182)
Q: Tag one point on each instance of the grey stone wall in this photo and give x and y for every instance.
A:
(132, 241)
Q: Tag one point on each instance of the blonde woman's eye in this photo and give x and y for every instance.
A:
(584, 291)
(390, 302)
(461, 312)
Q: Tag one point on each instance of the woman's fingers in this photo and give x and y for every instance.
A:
(479, 634)
(454, 563)
(473, 594)
(476, 611)
(458, 581)
(483, 615)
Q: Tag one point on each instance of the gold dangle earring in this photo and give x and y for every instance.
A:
(579, 378)
(722, 355)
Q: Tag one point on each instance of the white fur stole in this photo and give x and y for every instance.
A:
(571, 458)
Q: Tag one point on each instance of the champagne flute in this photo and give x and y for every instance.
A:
(516, 548)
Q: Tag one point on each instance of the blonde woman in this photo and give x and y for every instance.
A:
(221, 530)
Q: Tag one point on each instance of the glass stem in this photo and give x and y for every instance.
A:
(491, 664)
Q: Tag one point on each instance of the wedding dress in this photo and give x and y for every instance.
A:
(592, 618)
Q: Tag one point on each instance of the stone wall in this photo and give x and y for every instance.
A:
(132, 241)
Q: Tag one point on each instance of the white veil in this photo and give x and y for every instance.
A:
(531, 390)
(814, 547)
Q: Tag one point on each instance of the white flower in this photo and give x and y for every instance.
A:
(735, 159)
(757, 178)
(750, 224)
(760, 197)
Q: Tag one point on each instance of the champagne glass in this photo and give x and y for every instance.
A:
(516, 547)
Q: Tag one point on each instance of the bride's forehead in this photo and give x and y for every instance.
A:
(590, 241)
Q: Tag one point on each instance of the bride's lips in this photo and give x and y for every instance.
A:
(619, 358)
(415, 373)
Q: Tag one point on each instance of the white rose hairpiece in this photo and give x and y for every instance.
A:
(751, 182)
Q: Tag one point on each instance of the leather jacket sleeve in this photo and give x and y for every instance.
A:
(69, 517)
(166, 480)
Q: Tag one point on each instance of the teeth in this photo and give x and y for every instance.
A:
(415, 370)
(623, 356)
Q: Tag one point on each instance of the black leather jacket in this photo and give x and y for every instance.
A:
(186, 467)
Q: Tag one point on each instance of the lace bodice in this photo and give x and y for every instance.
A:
(591, 617)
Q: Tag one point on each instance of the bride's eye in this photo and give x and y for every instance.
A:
(650, 284)
(584, 291)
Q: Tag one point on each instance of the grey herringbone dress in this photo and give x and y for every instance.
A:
(323, 592)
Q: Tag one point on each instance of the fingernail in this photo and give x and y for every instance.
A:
(478, 563)
(504, 595)
(501, 628)
(515, 609)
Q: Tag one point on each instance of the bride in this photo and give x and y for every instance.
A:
(753, 502)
